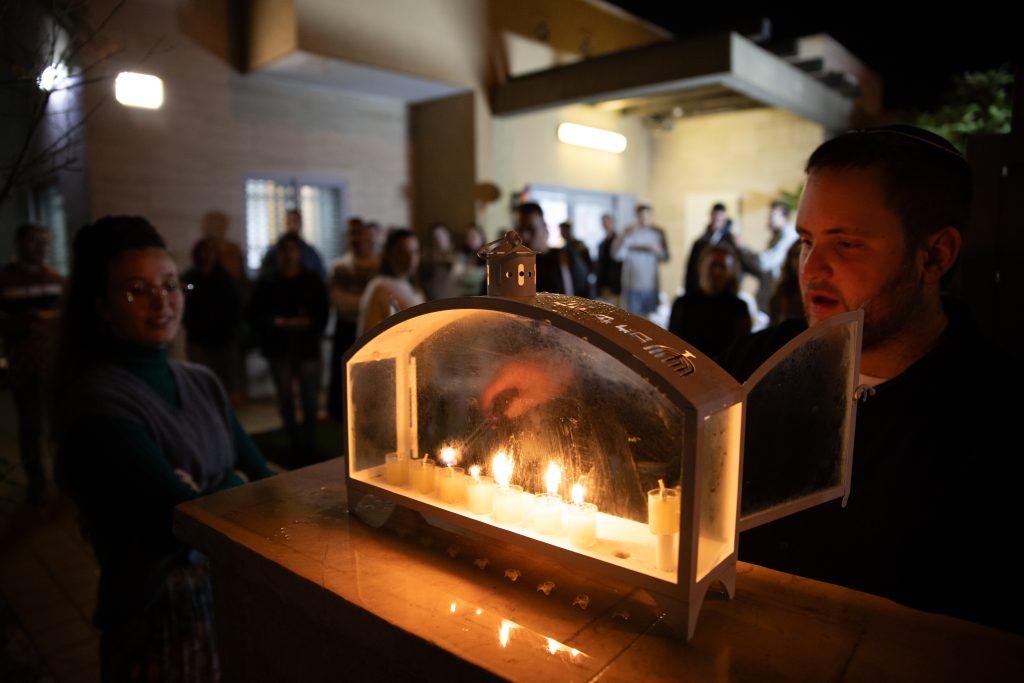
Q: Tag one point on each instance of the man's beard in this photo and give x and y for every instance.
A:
(894, 305)
(897, 304)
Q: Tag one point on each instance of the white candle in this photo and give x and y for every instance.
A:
(663, 521)
(451, 484)
(396, 469)
(547, 513)
(421, 475)
(508, 505)
(480, 492)
(583, 525)
(582, 519)
(547, 509)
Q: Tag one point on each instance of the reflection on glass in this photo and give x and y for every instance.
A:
(818, 377)
(607, 425)
(504, 630)
(530, 407)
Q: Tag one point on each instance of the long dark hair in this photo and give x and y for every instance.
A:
(395, 236)
(84, 335)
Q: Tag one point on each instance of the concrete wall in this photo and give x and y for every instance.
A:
(742, 158)
(525, 150)
(459, 42)
(216, 126)
(443, 40)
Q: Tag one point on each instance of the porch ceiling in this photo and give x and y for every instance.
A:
(330, 72)
(708, 74)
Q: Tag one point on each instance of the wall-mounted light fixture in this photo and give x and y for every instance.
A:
(139, 90)
(53, 77)
(594, 138)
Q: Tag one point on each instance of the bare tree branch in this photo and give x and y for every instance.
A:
(37, 117)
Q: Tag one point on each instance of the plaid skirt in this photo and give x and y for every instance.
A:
(173, 641)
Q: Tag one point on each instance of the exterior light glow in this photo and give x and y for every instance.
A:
(53, 77)
(139, 90)
(593, 138)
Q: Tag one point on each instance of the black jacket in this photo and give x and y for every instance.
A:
(931, 513)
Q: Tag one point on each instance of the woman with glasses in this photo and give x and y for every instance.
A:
(140, 434)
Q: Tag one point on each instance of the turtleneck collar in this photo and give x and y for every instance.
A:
(148, 364)
(132, 355)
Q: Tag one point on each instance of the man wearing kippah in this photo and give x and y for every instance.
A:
(880, 224)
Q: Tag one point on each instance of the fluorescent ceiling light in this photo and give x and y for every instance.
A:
(594, 138)
(139, 90)
(53, 76)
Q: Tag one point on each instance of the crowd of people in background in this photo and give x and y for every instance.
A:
(140, 431)
(284, 309)
(711, 310)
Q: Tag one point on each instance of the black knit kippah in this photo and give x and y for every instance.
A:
(915, 134)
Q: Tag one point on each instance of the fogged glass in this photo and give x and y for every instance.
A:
(720, 467)
(602, 423)
(372, 420)
(797, 421)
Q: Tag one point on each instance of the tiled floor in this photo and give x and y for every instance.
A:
(48, 576)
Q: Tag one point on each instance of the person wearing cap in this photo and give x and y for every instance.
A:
(880, 224)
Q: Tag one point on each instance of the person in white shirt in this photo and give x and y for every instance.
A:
(392, 289)
(641, 248)
(768, 264)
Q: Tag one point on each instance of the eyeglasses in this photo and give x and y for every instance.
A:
(144, 293)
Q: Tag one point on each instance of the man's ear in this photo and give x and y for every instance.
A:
(942, 250)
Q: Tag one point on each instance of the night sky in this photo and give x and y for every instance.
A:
(916, 56)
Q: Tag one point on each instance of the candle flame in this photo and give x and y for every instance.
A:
(577, 494)
(501, 467)
(449, 456)
(553, 478)
(474, 472)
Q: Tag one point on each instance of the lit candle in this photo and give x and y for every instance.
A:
(663, 521)
(449, 456)
(582, 519)
(452, 484)
(396, 469)
(547, 510)
(508, 504)
(421, 475)
(508, 501)
(501, 468)
(451, 479)
(480, 492)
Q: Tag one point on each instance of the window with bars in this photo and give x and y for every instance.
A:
(267, 200)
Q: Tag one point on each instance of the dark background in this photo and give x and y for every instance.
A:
(917, 53)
